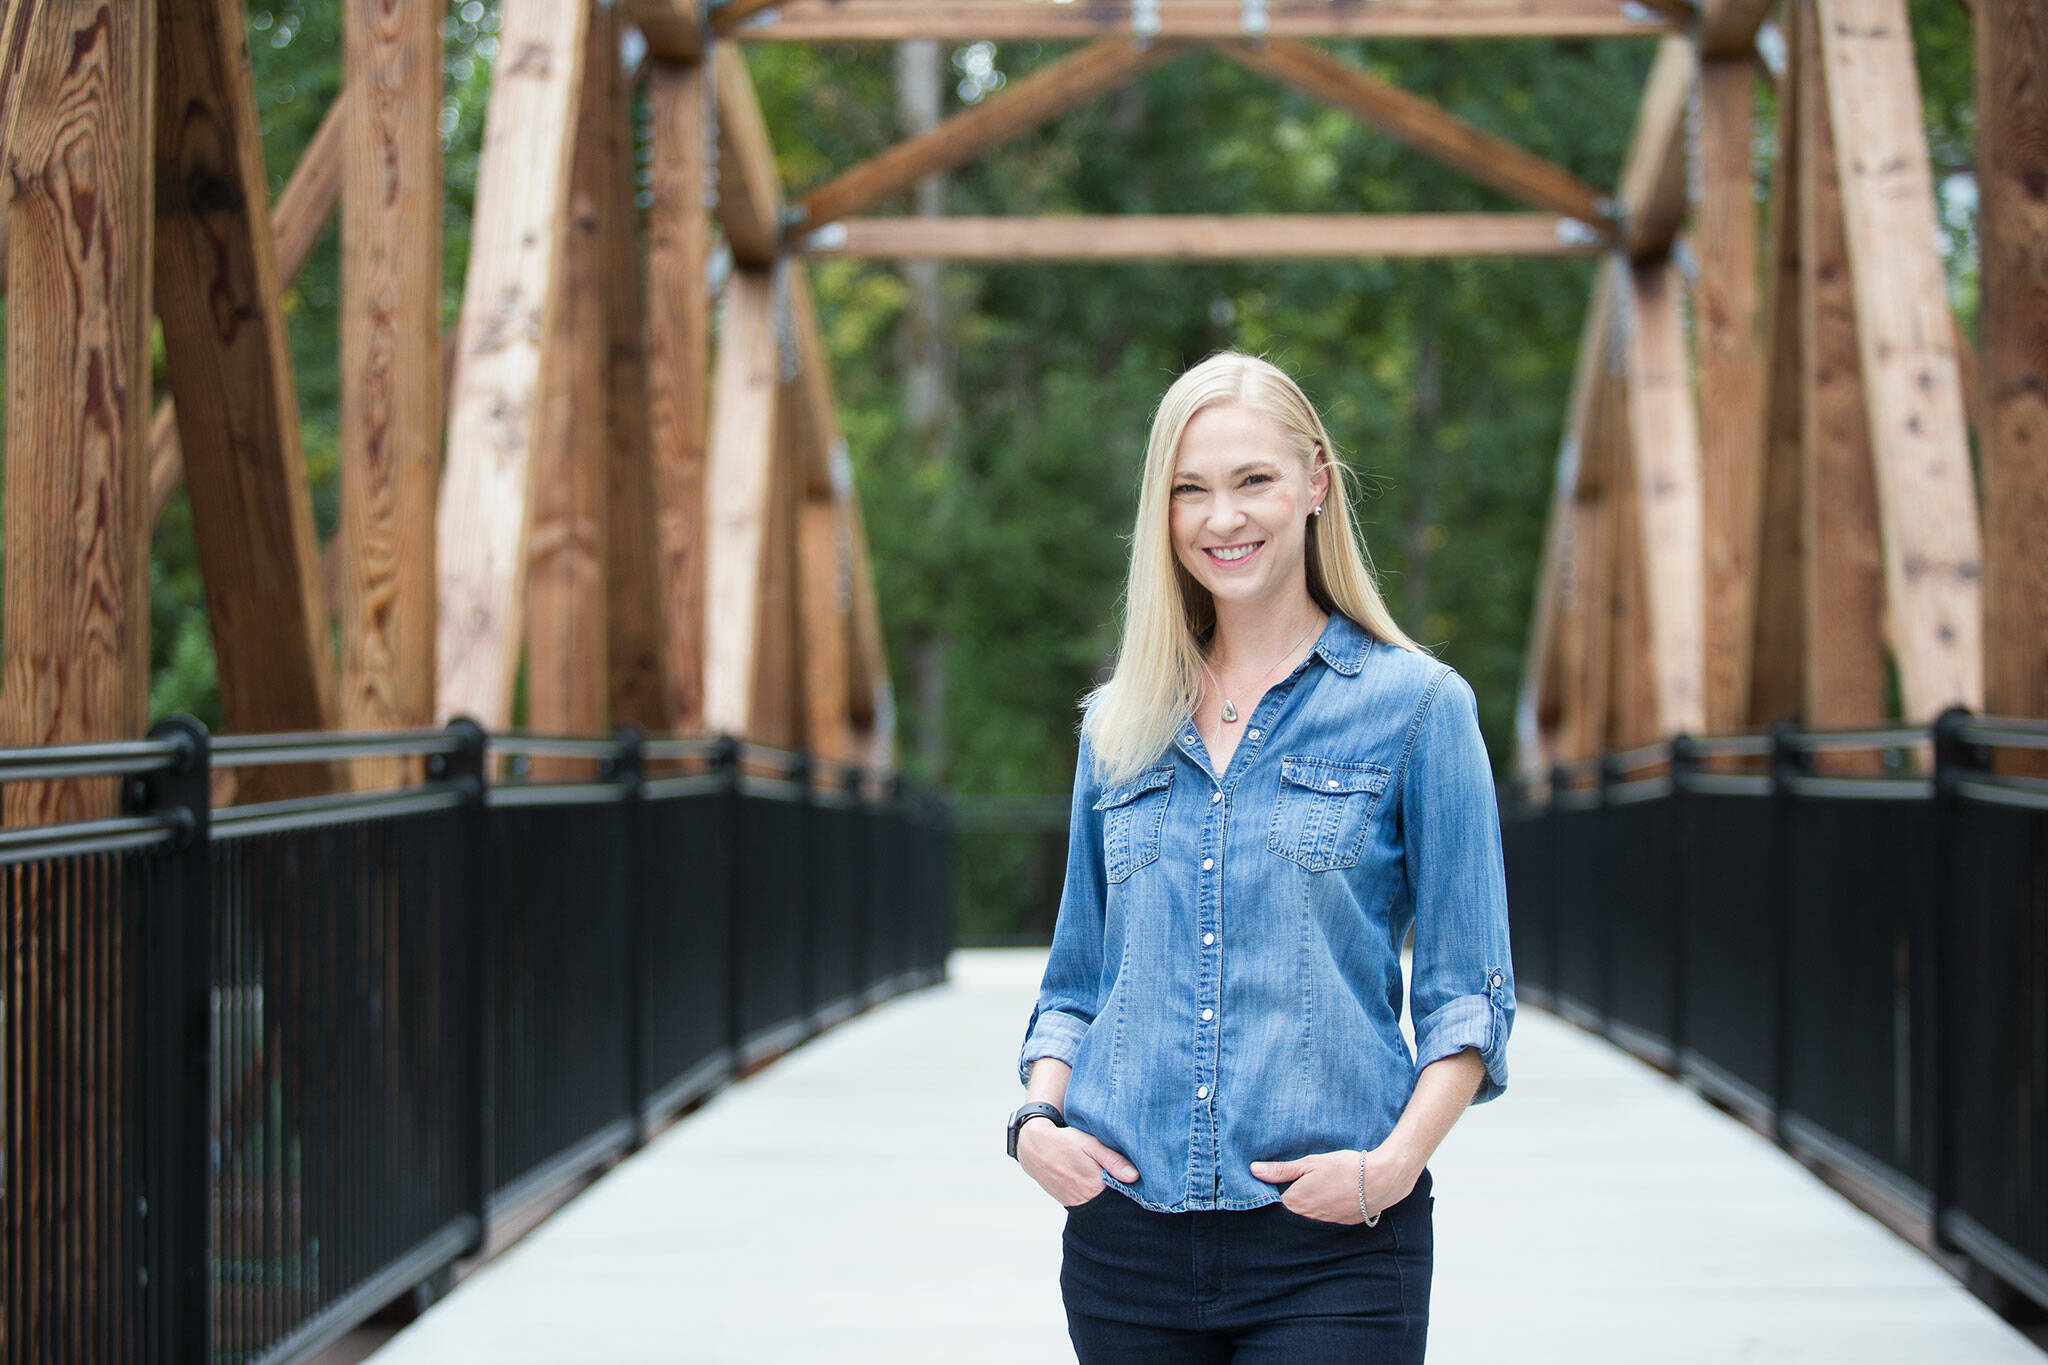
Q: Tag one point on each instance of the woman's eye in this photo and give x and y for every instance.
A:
(1186, 488)
(1258, 478)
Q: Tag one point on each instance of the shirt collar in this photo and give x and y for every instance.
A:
(1343, 644)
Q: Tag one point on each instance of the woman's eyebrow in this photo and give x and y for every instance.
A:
(1241, 469)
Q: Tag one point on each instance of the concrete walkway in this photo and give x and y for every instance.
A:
(852, 1203)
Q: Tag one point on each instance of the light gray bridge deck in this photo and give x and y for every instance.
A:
(1596, 1212)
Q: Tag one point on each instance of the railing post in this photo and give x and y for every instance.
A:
(1953, 758)
(1553, 928)
(808, 891)
(1786, 761)
(464, 770)
(1603, 946)
(177, 1174)
(859, 872)
(1685, 760)
(725, 760)
(628, 767)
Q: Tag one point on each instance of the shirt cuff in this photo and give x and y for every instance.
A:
(1466, 1021)
(1051, 1033)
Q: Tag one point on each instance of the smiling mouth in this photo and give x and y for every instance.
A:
(1230, 556)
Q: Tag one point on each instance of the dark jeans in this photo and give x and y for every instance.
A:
(1230, 1285)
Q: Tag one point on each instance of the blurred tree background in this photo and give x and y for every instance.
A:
(999, 528)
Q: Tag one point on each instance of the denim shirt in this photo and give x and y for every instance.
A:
(1225, 975)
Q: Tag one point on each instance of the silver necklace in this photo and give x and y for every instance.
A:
(1230, 707)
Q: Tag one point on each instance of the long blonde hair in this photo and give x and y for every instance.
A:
(1131, 718)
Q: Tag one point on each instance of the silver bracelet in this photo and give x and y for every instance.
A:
(1371, 1219)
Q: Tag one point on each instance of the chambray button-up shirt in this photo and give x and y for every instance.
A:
(1225, 976)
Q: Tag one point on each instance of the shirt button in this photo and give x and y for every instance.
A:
(1208, 939)
(1208, 863)
(1207, 1015)
(1214, 797)
(1188, 738)
(1333, 784)
(1251, 734)
(1496, 978)
(1202, 1093)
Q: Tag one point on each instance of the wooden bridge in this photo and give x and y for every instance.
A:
(1789, 490)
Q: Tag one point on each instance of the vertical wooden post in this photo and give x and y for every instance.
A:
(678, 364)
(1844, 670)
(639, 683)
(739, 470)
(391, 363)
(79, 277)
(1665, 467)
(1632, 715)
(1778, 651)
(509, 300)
(566, 612)
(2012, 167)
(1730, 382)
(1906, 338)
(778, 707)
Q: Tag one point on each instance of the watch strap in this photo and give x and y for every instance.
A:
(1029, 1110)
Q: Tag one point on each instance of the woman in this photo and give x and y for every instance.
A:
(1274, 783)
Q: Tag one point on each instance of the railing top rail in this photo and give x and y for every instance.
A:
(2006, 732)
(117, 758)
(1859, 737)
(318, 746)
(525, 745)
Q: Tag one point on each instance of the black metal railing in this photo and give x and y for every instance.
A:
(265, 1068)
(1841, 934)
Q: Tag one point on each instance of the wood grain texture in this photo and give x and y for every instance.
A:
(1729, 360)
(637, 663)
(296, 221)
(1778, 648)
(825, 598)
(1932, 551)
(898, 20)
(1205, 237)
(1427, 127)
(870, 701)
(739, 467)
(567, 614)
(1727, 28)
(228, 357)
(678, 370)
(749, 186)
(2012, 176)
(671, 27)
(509, 299)
(1632, 713)
(1664, 441)
(1653, 175)
(1844, 672)
(391, 394)
(778, 679)
(76, 597)
(1037, 99)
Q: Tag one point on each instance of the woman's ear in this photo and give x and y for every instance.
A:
(1319, 475)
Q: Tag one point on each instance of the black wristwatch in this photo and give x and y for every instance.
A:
(1029, 1111)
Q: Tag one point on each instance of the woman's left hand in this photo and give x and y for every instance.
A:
(1325, 1184)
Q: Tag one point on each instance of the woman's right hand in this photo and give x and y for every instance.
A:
(1068, 1163)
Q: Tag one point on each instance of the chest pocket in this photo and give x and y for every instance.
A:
(1132, 816)
(1324, 809)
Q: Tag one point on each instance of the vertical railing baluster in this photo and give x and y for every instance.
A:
(725, 760)
(476, 929)
(177, 1182)
(1953, 759)
(629, 770)
(809, 890)
(1786, 759)
(1685, 761)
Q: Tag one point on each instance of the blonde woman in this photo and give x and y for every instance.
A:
(1273, 785)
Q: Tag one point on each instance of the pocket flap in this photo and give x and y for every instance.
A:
(1330, 775)
(1149, 780)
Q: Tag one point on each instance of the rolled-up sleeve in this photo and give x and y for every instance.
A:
(1462, 992)
(1069, 993)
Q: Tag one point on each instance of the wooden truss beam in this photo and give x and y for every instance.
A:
(899, 20)
(76, 579)
(2012, 164)
(1038, 98)
(1427, 127)
(1206, 237)
(739, 491)
(391, 398)
(1728, 27)
(673, 28)
(749, 187)
(1653, 176)
(1933, 557)
(1665, 464)
(678, 369)
(509, 302)
(228, 355)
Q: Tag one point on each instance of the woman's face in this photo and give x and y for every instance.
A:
(1241, 503)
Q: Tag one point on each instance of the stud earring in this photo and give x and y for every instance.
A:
(1318, 512)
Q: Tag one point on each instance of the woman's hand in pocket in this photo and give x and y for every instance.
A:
(1068, 1163)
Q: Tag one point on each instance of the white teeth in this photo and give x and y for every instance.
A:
(1238, 553)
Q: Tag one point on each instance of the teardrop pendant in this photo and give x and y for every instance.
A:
(1229, 711)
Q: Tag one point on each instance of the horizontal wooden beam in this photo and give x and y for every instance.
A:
(1429, 128)
(1728, 27)
(672, 28)
(1653, 176)
(897, 20)
(1036, 99)
(1205, 237)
